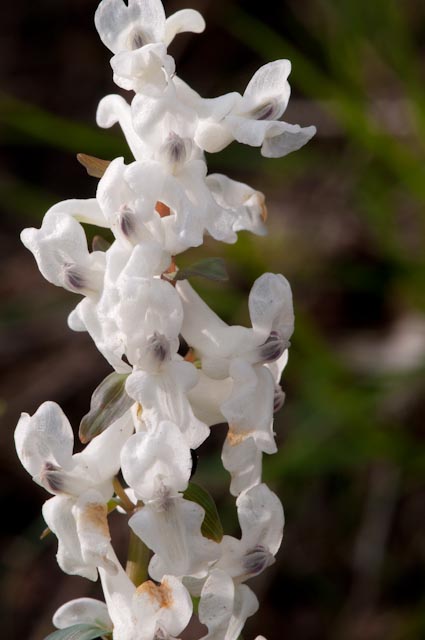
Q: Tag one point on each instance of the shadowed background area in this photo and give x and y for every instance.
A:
(347, 228)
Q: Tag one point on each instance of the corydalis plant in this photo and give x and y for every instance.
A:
(157, 407)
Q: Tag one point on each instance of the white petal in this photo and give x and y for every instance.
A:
(82, 611)
(243, 460)
(155, 117)
(151, 15)
(212, 136)
(120, 26)
(103, 331)
(163, 396)
(270, 306)
(47, 436)
(167, 606)
(111, 20)
(148, 308)
(245, 206)
(245, 605)
(200, 324)
(144, 70)
(285, 138)
(114, 109)
(90, 513)
(118, 591)
(207, 397)
(100, 460)
(155, 460)
(57, 513)
(60, 249)
(269, 83)
(181, 22)
(86, 211)
(278, 366)
(216, 604)
(171, 527)
(251, 132)
(249, 409)
(261, 518)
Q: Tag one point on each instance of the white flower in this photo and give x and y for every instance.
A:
(81, 483)
(60, 248)
(253, 118)
(157, 466)
(138, 35)
(272, 317)
(226, 603)
(103, 319)
(148, 611)
(157, 463)
(225, 606)
(261, 521)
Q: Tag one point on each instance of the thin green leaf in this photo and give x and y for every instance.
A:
(108, 403)
(211, 527)
(210, 268)
(78, 632)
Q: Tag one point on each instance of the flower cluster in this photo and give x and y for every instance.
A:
(178, 368)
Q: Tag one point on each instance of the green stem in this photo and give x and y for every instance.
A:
(138, 560)
(125, 500)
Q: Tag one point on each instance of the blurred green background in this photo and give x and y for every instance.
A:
(347, 228)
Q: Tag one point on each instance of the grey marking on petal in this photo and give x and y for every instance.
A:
(164, 499)
(74, 277)
(272, 348)
(159, 347)
(52, 479)
(137, 40)
(127, 222)
(174, 149)
(256, 560)
(266, 111)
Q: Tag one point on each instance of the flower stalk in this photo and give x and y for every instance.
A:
(137, 560)
(177, 368)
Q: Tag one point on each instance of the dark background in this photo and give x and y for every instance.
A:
(347, 222)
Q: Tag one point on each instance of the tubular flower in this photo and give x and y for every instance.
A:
(177, 367)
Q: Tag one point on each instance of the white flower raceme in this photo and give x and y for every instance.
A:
(81, 484)
(139, 317)
(138, 35)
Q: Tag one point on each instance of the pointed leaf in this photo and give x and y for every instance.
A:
(211, 527)
(108, 403)
(94, 166)
(78, 632)
(210, 268)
